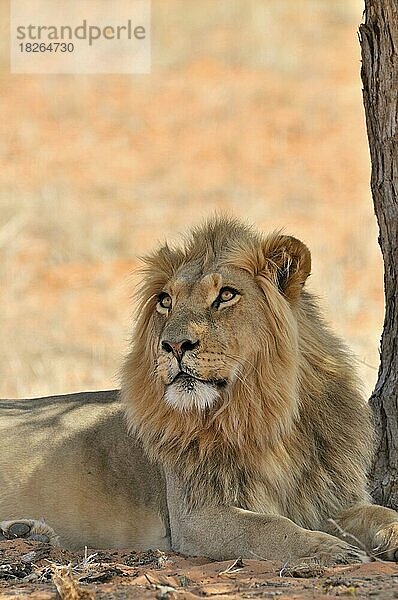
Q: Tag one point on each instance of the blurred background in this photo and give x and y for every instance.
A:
(252, 106)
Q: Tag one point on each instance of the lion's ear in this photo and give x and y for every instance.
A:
(288, 261)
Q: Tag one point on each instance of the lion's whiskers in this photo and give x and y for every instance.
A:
(240, 376)
(246, 360)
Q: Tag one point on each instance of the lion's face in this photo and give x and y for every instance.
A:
(216, 315)
(206, 326)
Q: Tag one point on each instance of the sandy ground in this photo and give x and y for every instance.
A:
(36, 571)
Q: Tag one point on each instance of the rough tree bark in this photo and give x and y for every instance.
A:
(379, 46)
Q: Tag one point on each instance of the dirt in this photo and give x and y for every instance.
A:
(40, 572)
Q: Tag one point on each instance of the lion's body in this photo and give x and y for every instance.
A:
(247, 429)
(70, 460)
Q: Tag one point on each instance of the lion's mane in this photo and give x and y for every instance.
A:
(296, 426)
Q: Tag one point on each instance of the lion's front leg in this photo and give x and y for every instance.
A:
(375, 527)
(224, 532)
(29, 529)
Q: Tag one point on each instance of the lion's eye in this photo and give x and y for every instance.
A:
(227, 294)
(165, 301)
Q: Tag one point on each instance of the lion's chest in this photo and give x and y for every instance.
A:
(304, 493)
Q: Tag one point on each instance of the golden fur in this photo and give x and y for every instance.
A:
(293, 423)
(248, 435)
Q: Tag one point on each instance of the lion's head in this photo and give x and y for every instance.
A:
(221, 306)
(216, 325)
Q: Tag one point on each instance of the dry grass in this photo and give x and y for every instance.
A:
(252, 107)
(306, 569)
(67, 585)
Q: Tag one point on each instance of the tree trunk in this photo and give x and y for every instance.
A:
(379, 46)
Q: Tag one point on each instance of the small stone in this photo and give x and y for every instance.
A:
(19, 530)
(29, 557)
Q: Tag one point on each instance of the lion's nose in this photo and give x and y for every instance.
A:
(179, 348)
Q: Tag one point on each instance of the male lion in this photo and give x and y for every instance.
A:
(249, 436)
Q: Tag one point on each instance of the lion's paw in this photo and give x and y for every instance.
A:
(329, 550)
(386, 543)
(28, 529)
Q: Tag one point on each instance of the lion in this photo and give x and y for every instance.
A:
(239, 429)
